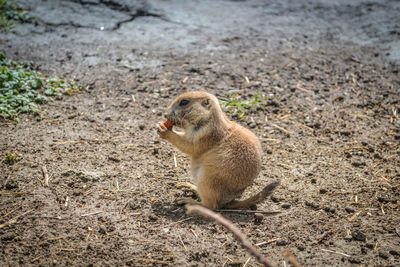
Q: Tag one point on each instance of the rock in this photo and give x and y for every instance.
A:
(286, 206)
(87, 176)
(322, 191)
(312, 205)
(11, 185)
(369, 245)
(102, 229)
(7, 237)
(354, 260)
(357, 235)
(114, 158)
(394, 252)
(258, 217)
(358, 163)
(349, 209)
(377, 156)
(281, 243)
(252, 124)
(348, 238)
(276, 199)
(383, 255)
(153, 218)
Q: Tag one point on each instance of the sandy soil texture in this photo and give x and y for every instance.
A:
(327, 73)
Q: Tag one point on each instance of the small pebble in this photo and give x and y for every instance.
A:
(281, 243)
(354, 260)
(357, 235)
(286, 206)
(275, 198)
(350, 209)
(258, 217)
(114, 158)
(394, 252)
(369, 245)
(348, 238)
(358, 163)
(7, 236)
(153, 218)
(383, 255)
(252, 125)
(102, 229)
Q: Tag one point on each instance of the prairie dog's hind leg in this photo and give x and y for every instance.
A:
(211, 196)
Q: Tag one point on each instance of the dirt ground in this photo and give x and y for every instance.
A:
(328, 74)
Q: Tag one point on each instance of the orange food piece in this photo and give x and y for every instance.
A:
(168, 124)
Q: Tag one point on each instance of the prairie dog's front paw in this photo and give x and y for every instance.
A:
(162, 130)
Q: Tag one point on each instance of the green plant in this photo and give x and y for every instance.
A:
(22, 88)
(10, 12)
(236, 104)
(11, 159)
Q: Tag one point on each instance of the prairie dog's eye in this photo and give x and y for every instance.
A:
(184, 102)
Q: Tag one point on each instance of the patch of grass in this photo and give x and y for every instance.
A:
(9, 13)
(235, 104)
(22, 89)
(11, 159)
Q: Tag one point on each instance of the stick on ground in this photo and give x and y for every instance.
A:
(233, 229)
(45, 176)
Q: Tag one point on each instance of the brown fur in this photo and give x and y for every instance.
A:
(226, 157)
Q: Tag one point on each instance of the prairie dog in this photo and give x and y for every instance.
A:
(225, 157)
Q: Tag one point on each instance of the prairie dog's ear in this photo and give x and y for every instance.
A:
(206, 103)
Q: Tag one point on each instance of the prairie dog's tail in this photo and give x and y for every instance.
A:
(257, 198)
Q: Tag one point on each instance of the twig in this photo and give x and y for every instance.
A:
(8, 213)
(92, 213)
(325, 234)
(336, 252)
(175, 162)
(183, 244)
(183, 220)
(233, 229)
(35, 259)
(152, 261)
(45, 176)
(267, 242)
(303, 89)
(245, 264)
(194, 233)
(14, 220)
(288, 255)
(251, 211)
(66, 201)
(281, 129)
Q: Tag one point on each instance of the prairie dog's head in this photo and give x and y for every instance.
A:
(193, 109)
